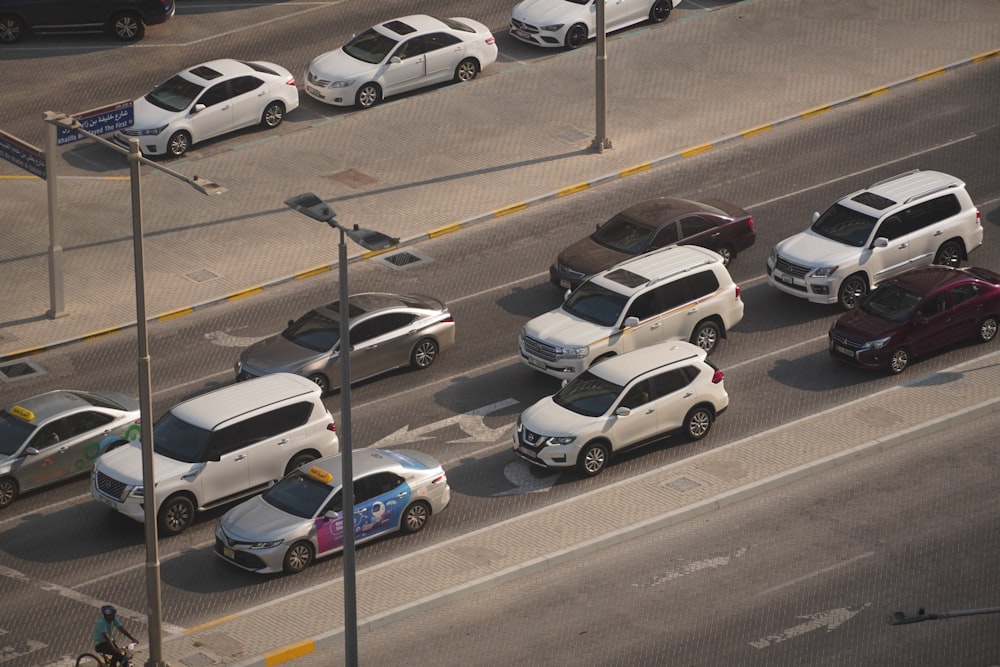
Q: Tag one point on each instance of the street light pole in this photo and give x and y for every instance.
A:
(601, 140)
(312, 206)
(154, 609)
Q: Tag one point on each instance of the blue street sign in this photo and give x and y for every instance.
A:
(98, 121)
(22, 154)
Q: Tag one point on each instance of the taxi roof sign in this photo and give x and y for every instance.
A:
(318, 473)
(23, 413)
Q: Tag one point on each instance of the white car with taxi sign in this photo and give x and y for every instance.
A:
(300, 518)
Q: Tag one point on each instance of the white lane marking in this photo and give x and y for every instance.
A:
(225, 339)
(830, 619)
(867, 554)
(470, 422)
(691, 568)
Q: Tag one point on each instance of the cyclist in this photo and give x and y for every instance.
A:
(104, 641)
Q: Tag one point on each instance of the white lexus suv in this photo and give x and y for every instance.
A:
(914, 219)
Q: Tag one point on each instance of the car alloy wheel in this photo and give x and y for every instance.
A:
(852, 290)
(424, 353)
(698, 422)
(179, 143)
(899, 360)
(949, 254)
(127, 27)
(660, 11)
(576, 36)
(298, 557)
(466, 70)
(176, 515)
(592, 459)
(415, 517)
(988, 329)
(706, 335)
(368, 95)
(273, 114)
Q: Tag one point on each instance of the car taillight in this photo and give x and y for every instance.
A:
(439, 479)
(290, 82)
(738, 293)
(750, 222)
(332, 426)
(490, 39)
(978, 218)
(717, 376)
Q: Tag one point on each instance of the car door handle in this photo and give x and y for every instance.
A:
(401, 494)
(938, 233)
(283, 441)
(240, 457)
(226, 108)
(656, 325)
(689, 394)
(903, 245)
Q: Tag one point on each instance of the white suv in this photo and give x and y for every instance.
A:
(677, 293)
(620, 403)
(218, 447)
(914, 219)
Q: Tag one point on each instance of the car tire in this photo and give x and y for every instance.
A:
(852, 289)
(988, 329)
(660, 11)
(176, 514)
(949, 254)
(321, 381)
(467, 70)
(127, 27)
(273, 114)
(698, 422)
(727, 253)
(11, 29)
(706, 335)
(415, 517)
(899, 360)
(178, 144)
(592, 459)
(368, 96)
(299, 460)
(576, 36)
(8, 491)
(298, 557)
(424, 353)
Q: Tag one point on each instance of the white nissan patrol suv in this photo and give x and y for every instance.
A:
(914, 219)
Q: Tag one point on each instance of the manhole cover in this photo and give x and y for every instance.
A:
(403, 259)
(683, 484)
(201, 276)
(353, 178)
(13, 371)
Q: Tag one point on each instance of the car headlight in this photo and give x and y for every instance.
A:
(144, 133)
(553, 28)
(560, 440)
(266, 545)
(574, 352)
(824, 271)
(342, 84)
(136, 492)
(879, 343)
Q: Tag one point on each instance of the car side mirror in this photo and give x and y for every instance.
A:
(291, 322)
(32, 451)
(198, 107)
(622, 411)
(815, 216)
(566, 294)
(880, 242)
(630, 322)
(395, 60)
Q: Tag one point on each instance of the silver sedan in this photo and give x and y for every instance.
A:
(57, 435)
(301, 517)
(387, 331)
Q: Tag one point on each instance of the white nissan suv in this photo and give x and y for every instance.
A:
(914, 219)
(677, 293)
(624, 402)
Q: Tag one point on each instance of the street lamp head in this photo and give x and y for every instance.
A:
(370, 239)
(309, 204)
(906, 617)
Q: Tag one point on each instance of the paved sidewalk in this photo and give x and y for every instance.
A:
(433, 163)
(547, 537)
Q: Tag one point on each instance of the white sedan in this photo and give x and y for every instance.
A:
(570, 23)
(208, 100)
(398, 56)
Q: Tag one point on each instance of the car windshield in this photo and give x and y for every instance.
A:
(845, 225)
(623, 234)
(595, 304)
(13, 433)
(174, 94)
(298, 494)
(314, 331)
(370, 46)
(98, 401)
(176, 439)
(588, 395)
(891, 302)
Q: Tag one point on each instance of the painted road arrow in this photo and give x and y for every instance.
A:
(831, 620)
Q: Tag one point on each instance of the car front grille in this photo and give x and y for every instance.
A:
(791, 269)
(844, 341)
(526, 27)
(537, 348)
(110, 486)
(317, 81)
(529, 440)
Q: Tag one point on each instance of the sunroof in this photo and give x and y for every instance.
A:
(872, 200)
(206, 73)
(399, 27)
(627, 278)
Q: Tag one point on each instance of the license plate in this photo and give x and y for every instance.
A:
(108, 502)
(781, 277)
(536, 363)
(564, 284)
(843, 350)
(315, 92)
(228, 553)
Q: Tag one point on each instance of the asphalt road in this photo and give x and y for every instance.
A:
(60, 551)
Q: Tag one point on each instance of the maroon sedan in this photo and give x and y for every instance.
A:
(717, 225)
(916, 313)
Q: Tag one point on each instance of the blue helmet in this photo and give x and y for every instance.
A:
(108, 610)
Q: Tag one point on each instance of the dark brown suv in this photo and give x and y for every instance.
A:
(126, 20)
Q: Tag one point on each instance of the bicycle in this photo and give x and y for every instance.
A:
(104, 659)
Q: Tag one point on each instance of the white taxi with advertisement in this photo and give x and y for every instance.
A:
(301, 517)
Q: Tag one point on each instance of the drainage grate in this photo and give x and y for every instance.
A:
(12, 371)
(683, 484)
(403, 259)
(201, 276)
